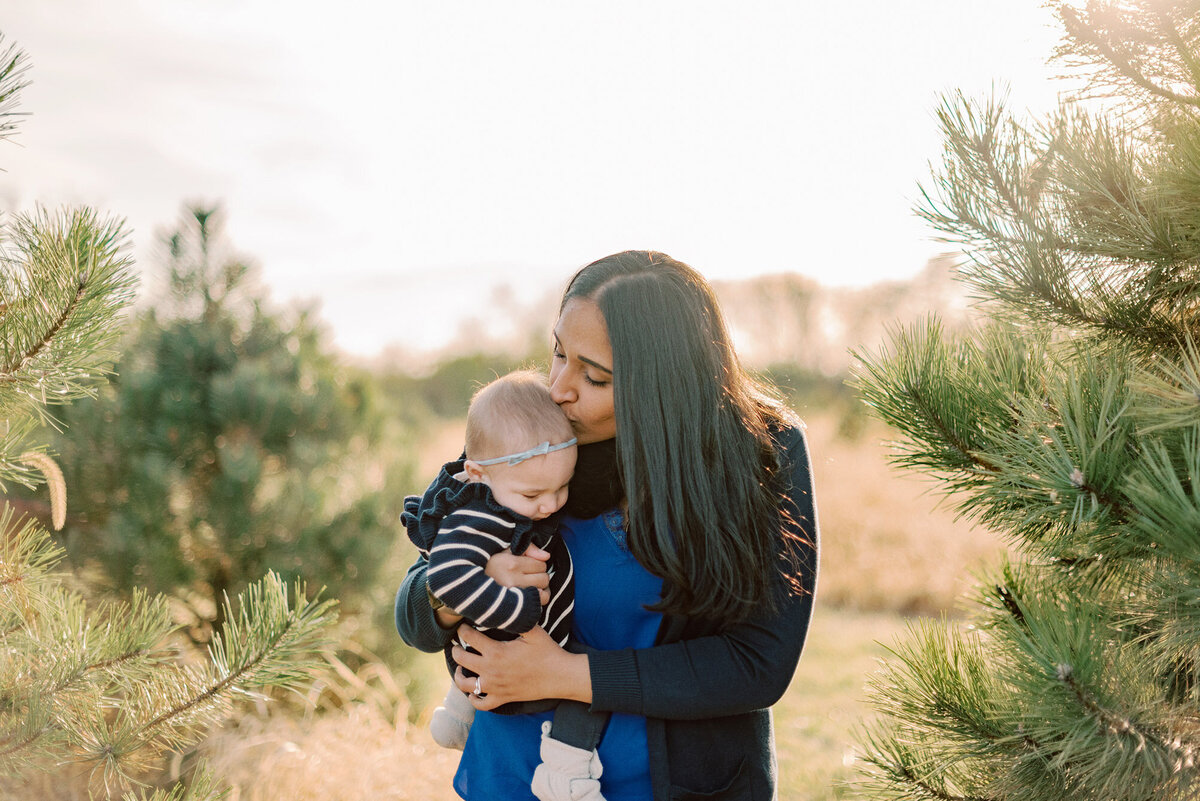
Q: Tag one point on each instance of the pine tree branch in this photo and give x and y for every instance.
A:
(259, 601)
(935, 793)
(129, 656)
(947, 433)
(214, 690)
(1081, 31)
(8, 370)
(1119, 509)
(1084, 684)
(1122, 724)
(1184, 53)
(26, 743)
(200, 787)
(1008, 197)
(65, 684)
(990, 235)
(12, 80)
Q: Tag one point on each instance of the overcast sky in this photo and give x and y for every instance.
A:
(398, 159)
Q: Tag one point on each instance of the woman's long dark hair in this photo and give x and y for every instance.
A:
(694, 446)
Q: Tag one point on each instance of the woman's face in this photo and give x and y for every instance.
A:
(581, 371)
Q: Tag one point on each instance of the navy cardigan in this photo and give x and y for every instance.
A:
(705, 691)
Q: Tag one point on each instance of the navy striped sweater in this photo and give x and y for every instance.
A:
(458, 526)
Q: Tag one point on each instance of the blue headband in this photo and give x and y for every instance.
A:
(536, 450)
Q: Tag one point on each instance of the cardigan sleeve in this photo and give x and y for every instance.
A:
(415, 619)
(745, 667)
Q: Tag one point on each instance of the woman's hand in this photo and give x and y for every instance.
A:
(527, 570)
(526, 669)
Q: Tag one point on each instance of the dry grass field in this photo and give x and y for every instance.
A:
(889, 541)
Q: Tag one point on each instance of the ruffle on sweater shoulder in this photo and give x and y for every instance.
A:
(423, 514)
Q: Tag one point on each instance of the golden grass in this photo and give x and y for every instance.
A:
(886, 544)
(816, 719)
(352, 754)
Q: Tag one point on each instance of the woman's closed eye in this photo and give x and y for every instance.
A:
(556, 353)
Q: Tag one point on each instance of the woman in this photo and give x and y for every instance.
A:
(694, 537)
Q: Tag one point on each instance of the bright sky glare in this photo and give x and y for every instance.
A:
(398, 160)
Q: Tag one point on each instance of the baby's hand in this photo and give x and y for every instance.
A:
(527, 570)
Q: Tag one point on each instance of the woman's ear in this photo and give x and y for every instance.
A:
(475, 473)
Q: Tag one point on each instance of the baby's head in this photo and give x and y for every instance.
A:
(508, 418)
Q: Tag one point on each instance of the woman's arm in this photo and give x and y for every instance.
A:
(747, 666)
(530, 668)
(416, 621)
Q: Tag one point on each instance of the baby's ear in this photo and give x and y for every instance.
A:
(474, 472)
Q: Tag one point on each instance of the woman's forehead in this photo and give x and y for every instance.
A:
(581, 327)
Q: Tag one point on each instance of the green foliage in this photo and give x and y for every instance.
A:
(98, 688)
(202, 787)
(103, 688)
(232, 442)
(1071, 424)
(13, 65)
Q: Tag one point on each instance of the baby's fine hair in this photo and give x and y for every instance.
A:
(512, 414)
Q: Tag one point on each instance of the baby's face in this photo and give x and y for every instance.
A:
(536, 487)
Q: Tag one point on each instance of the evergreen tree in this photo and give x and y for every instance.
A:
(82, 687)
(231, 442)
(1070, 422)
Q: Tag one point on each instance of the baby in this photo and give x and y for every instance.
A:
(520, 456)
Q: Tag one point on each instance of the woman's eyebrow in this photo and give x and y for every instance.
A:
(584, 359)
(597, 365)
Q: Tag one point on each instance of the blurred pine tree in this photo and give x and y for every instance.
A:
(82, 687)
(231, 442)
(1072, 424)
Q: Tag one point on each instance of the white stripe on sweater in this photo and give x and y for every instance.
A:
(558, 621)
(492, 609)
(484, 516)
(517, 612)
(462, 546)
(439, 591)
(503, 543)
(470, 600)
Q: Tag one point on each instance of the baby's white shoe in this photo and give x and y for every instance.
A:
(451, 721)
(567, 773)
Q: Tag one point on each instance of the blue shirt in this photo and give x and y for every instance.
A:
(611, 589)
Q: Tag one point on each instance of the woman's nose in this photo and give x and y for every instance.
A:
(560, 389)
